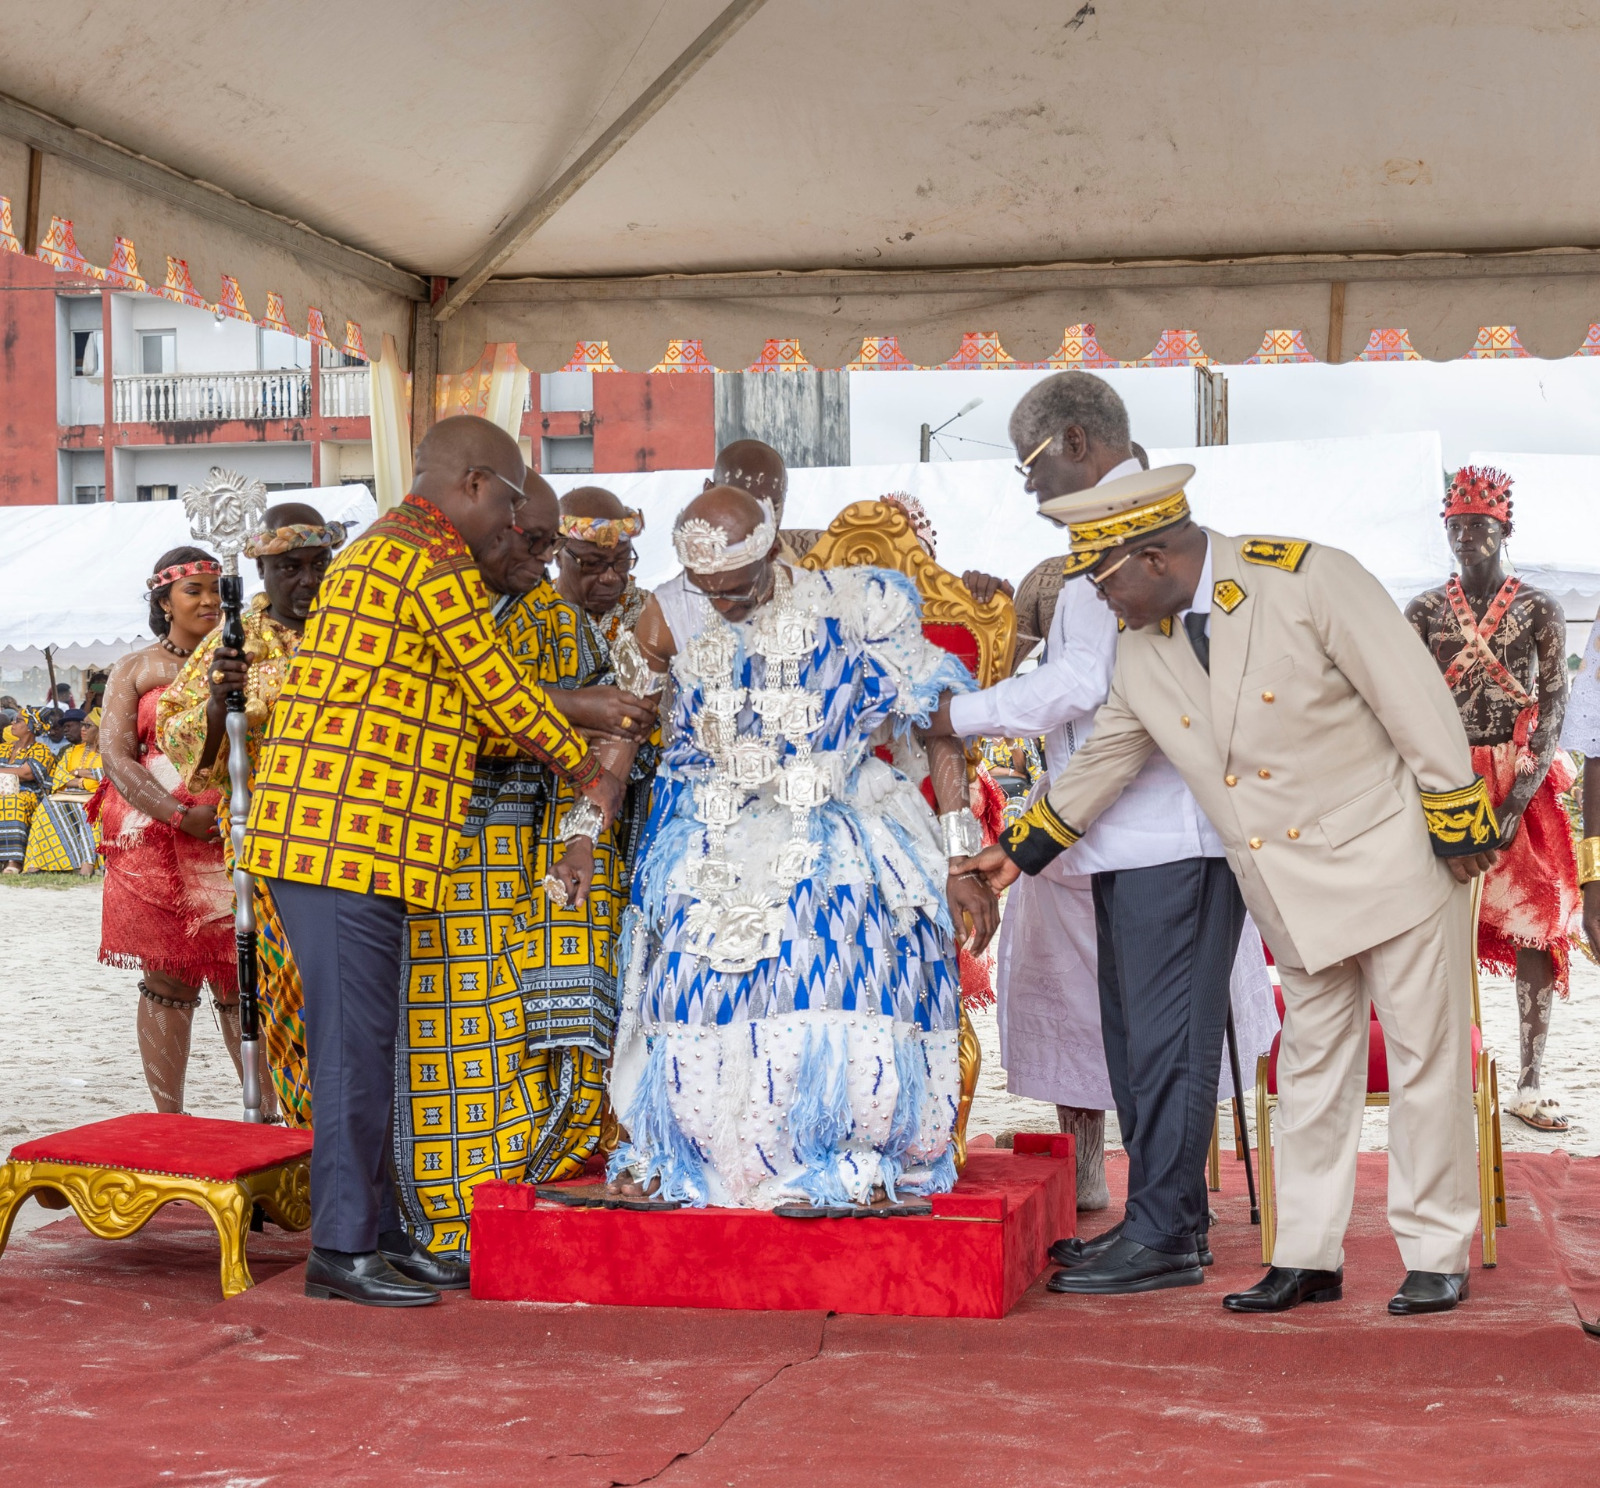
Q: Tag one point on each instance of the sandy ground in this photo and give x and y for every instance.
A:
(68, 1053)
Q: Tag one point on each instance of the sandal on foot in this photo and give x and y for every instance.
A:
(1542, 1115)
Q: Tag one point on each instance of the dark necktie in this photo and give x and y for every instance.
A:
(1195, 623)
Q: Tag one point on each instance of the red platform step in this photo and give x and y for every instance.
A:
(984, 1245)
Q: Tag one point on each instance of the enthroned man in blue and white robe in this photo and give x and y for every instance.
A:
(791, 1008)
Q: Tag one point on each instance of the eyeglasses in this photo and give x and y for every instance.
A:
(624, 561)
(518, 495)
(1026, 467)
(542, 546)
(1100, 583)
(753, 595)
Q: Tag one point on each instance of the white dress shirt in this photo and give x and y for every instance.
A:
(1156, 819)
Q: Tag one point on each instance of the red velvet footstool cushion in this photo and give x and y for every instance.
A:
(182, 1146)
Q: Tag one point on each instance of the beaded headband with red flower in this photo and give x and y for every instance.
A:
(1481, 492)
(182, 571)
(604, 532)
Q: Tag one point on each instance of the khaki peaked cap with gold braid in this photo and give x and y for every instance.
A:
(1105, 517)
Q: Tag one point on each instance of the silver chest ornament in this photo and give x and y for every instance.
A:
(734, 928)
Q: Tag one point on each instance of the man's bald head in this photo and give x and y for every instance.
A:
(541, 506)
(472, 471)
(292, 514)
(592, 501)
(754, 467)
(455, 445)
(735, 511)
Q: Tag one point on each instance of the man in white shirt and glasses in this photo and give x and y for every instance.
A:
(1108, 993)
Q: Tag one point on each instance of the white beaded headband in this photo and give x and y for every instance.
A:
(703, 547)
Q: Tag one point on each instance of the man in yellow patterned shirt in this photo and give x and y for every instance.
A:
(361, 791)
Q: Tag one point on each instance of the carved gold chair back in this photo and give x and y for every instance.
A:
(877, 533)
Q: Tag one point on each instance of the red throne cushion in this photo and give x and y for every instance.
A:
(1377, 1057)
(957, 640)
(182, 1146)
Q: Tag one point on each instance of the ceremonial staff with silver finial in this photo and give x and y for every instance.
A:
(224, 513)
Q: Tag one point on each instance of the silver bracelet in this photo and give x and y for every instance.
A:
(963, 837)
(633, 670)
(583, 820)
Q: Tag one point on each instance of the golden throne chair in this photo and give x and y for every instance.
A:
(984, 637)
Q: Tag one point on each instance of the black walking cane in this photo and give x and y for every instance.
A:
(1238, 1116)
(224, 514)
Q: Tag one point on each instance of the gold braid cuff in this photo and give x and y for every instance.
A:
(1037, 838)
(1461, 822)
(1589, 860)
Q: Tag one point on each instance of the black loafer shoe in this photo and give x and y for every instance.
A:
(1128, 1267)
(1428, 1291)
(1076, 1251)
(410, 1259)
(366, 1278)
(1284, 1287)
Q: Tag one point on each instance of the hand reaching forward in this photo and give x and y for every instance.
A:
(575, 871)
(974, 912)
(992, 865)
(1468, 868)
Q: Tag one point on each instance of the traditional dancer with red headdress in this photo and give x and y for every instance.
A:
(1502, 645)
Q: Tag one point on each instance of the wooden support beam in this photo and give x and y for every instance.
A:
(40, 132)
(1336, 321)
(30, 210)
(1236, 273)
(424, 370)
(524, 223)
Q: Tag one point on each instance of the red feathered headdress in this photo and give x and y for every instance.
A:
(1479, 492)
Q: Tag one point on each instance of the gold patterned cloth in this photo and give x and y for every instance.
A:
(61, 838)
(370, 754)
(269, 646)
(510, 1001)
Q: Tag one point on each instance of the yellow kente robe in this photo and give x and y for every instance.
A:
(61, 838)
(510, 1002)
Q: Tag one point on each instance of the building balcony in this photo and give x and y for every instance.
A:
(346, 392)
(211, 397)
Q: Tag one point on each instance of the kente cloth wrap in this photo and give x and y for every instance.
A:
(604, 532)
(1532, 893)
(370, 753)
(623, 616)
(510, 1000)
(18, 806)
(276, 540)
(282, 1011)
(1477, 655)
(790, 1023)
(163, 577)
(181, 715)
(62, 839)
(168, 903)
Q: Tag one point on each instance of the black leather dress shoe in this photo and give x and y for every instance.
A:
(410, 1259)
(1284, 1287)
(1428, 1291)
(1076, 1250)
(365, 1278)
(1126, 1266)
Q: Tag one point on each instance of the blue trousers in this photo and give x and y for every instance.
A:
(1167, 937)
(347, 948)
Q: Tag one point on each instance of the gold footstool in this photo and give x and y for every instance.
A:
(115, 1174)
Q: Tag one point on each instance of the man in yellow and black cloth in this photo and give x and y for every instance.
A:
(1319, 739)
(361, 789)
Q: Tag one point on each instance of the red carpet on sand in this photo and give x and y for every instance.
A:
(118, 1365)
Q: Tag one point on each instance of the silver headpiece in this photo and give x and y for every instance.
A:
(225, 511)
(704, 548)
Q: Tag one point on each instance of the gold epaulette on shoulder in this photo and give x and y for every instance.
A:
(1275, 552)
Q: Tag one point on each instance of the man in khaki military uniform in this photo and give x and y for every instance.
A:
(1327, 752)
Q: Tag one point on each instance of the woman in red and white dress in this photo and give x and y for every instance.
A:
(168, 906)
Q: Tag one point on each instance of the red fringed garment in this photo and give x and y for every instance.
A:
(1530, 895)
(168, 903)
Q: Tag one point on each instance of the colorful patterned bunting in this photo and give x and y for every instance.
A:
(123, 270)
(880, 354)
(316, 328)
(1393, 345)
(1080, 351)
(232, 301)
(1495, 343)
(275, 319)
(781, 354)
(353, 344)
(8, 234)
(1279, 348)
(591, 356)
(1174, 349)
(179, 287)
(684, 356)
(980, 351)
(59, 248)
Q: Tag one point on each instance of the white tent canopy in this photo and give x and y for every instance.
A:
(632, 171)
(74, 576)
(1377, 497)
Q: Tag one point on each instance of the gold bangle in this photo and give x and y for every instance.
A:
(1589, 860)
